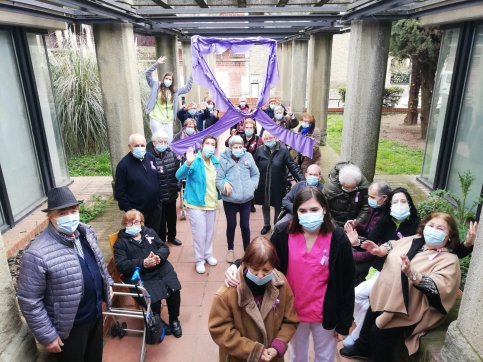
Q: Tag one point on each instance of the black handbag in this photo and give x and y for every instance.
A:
(155, 330)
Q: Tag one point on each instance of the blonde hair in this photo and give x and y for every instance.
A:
(130, 215)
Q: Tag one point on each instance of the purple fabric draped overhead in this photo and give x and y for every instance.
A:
(202, 75)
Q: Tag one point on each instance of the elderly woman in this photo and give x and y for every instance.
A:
(189, 129)
(272, 160)
(307, 128)
(201, 199)
(256, 320)
(346, 191)
(415, 290)
(209, 115)
(139, 246)
(236, 179)
(162, 103)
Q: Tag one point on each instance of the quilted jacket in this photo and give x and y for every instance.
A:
(167, 164)
(50, 284)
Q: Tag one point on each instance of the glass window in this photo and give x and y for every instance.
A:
(47, 105)
(444, 75)
(468, 146)
(17, 152)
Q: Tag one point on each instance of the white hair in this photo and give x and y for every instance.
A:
(161, 134)
(279, 108)
(235, 140)
(350, 173)
(134, 136)
(266, 134)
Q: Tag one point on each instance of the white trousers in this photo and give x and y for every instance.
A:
(325, 343)
(361, 303)
(202, 227)
(158, 126)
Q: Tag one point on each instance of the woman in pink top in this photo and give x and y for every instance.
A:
(316, 256)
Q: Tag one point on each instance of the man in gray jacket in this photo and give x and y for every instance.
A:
(63, 282)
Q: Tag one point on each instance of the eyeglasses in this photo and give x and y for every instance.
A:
(134, 223)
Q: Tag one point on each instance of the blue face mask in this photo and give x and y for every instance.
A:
(189, 131)
(434, 237)
(210, 107)
(311, 221)
(167, 83)
(312, 180)
(305, 124)
(400, 211)
(278, 116)
(161, 148)
(249, 132)
(243, 104)
(139, 152)
(192, 112)
(269, 144)
(133, 230)
(238, 153)
(67, 224)
(257, 280)
(272, 106)
(372, 203)
(208, 151)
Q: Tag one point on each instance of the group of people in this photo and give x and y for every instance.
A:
(340, 251)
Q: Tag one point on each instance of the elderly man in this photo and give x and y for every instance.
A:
(346, 192)
(137, 182)
(312, 178)
(63, 281)
(167, 164)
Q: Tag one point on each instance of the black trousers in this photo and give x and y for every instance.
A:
(152, 218)
(168, 221)
(231, 209)
(380, 342)
(173, 302)
(84, 343)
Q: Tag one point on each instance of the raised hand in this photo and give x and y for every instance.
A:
(351, 233)
(471, 234)
(190, 156)
(372, 248)
(161, 60)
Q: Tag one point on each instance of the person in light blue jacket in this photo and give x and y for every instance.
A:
(163, 101)
(236, 179)
(201, 199)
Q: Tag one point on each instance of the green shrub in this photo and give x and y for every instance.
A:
(434, 203)
(78, 97)
(95, 207)
(390, 98)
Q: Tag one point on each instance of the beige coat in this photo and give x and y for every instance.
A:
(241, 330)
(387, 296)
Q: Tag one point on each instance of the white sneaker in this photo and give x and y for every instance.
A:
(230, 256)
(212, 261)
(200, 267)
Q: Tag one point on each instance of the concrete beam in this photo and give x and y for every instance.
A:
(469, 13)
(368, 53)
(116, 59)
(17, 19)
(320, 54)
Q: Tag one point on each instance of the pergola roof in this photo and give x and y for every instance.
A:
(279, 19)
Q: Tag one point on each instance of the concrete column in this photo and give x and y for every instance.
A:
(300, 54)
(464, 338)
(116, 59)
(368, 53)
(167, 45)
(211, 61)
(286, 72)
(193, 95)
(16, 342)
(320, 53)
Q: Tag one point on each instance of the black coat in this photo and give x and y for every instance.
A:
(338, 305)
(167, 164)
(137, 185)
(273, 174)
(159, 281)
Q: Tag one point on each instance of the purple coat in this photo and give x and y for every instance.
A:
(50, 284)
(374, 215)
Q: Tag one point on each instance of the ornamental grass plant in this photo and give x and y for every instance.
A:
(77, 93)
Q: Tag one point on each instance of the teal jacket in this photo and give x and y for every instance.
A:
(243, 177)
(195, 177)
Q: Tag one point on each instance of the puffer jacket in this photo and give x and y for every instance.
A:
(243, 176)
(167, 164)
(346, 205)
(50, 286)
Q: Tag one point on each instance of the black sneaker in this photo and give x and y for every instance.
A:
(176, 328)
(175, 242)
(265, 229)
(354, 352)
